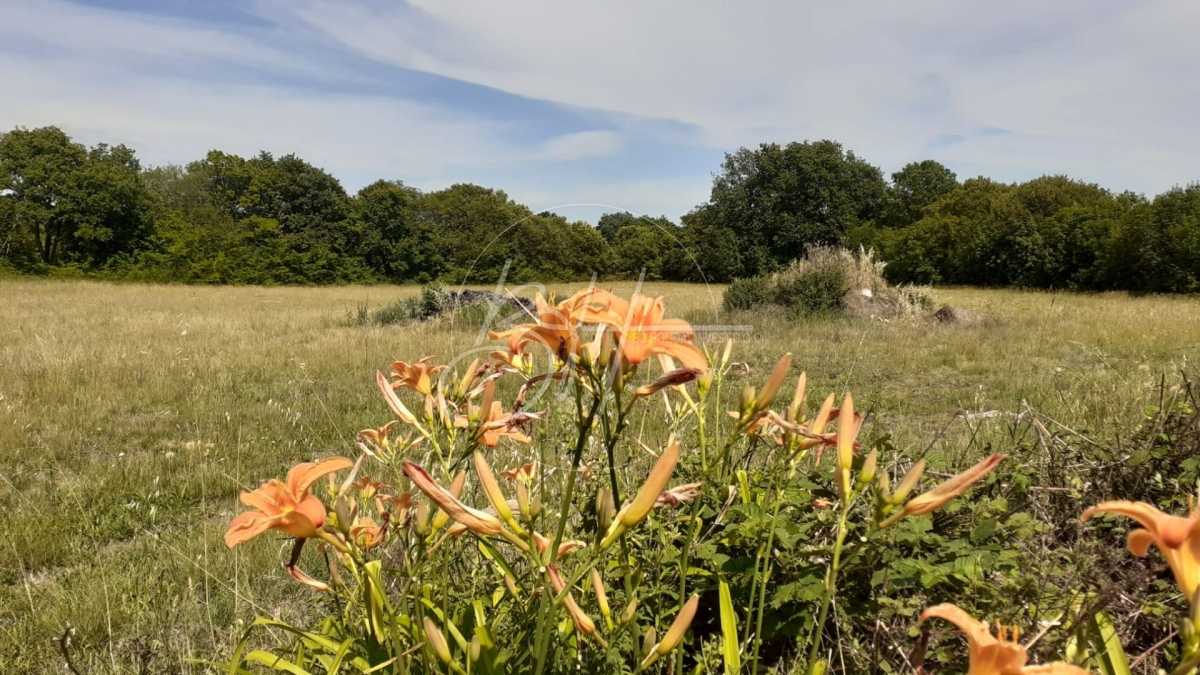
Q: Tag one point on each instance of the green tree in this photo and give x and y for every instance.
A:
(778, 200)
(64, 203)
(381, 219)
(913, 189)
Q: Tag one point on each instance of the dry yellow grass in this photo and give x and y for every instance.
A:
(130, 416)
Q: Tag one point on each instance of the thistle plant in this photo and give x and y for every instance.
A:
(473, 535)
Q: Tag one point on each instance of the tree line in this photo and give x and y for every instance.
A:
(69, 209)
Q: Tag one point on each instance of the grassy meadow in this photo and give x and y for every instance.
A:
(132, 415)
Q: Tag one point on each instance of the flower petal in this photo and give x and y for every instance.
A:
(303, 475)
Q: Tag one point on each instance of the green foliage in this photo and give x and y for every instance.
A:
(69, 210)
(746, 294)
(779, 199)
(429, 304)
(821, 289)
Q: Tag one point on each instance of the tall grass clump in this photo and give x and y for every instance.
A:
(830, 279)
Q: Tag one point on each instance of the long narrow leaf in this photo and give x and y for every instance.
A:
(1110, 655)
(729, 636)
(275, 662)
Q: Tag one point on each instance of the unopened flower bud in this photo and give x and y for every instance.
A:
(422, 522)
(867, 473)
(630, 610)
(605, 509)
(436, 640)
(648, 641)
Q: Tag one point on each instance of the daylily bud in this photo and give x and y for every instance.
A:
(477, 521)
(629, 612)
(636, 511)
(845, 444)
(492, 489)
(583, 622)
(475, 649)
(511, 586)
(942, 494)
(795, 411)
(907, 483)
(535, 507)
(456, 487)
(489, 392)
(605, 509)
(606, 348)
(436, 640)
(867, 473)
(422, 522)
(885, 486)
(671, 379)
(679, 626)
(774, 382)
(747, 404)
(341, 508)
(523, 499)
(674, 634)
(648, 641)
(601, 597)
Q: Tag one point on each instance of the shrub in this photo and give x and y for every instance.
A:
(819, 289)
(830, 279)
(745, 294)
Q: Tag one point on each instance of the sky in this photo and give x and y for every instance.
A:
(583, 108)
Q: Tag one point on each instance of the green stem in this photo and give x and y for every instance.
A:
(546, 610)
(831, 575)
(766, 576)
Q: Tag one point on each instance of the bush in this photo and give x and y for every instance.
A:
(744, 294)
(812, 290)
(429, 304)
(830, 279)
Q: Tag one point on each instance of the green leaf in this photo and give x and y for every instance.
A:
(275, 662)
(1110, 655)
(729, 641)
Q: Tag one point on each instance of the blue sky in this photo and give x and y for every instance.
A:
(625, 104)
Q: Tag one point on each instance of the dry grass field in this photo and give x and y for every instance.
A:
(131, 416)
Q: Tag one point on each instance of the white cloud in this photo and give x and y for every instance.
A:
(1079, 81)
(1101, 90)
(581, 145)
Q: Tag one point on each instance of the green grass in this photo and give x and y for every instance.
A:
(131, 416)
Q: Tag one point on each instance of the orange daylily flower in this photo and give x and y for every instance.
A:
(643, 332)
(416, 376)
(995, 655)
(498, 425)
(368, 487)
(556, 327)
(285, 505)
(378, 436)
(1178, 539)
(367, 533)
(513, 362)
(525, 472)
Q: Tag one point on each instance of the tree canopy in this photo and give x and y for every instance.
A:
(281, 220)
